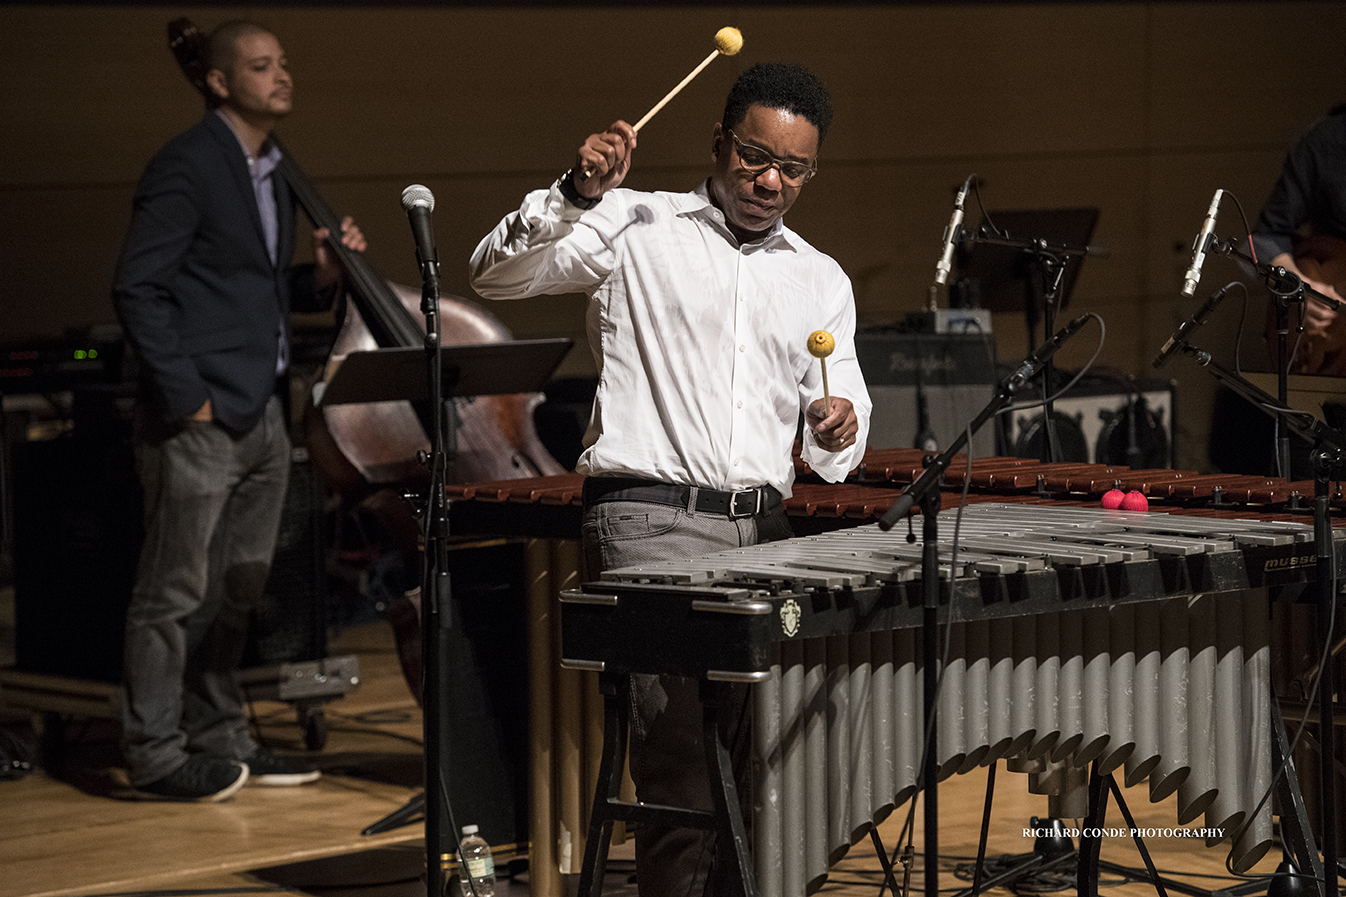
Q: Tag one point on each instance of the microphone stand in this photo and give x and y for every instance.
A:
(1285, 288)
(1329, 450)
(926, 490)
(1051, 261)
(436, 614)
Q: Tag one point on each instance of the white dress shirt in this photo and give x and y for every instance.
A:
(703, 367)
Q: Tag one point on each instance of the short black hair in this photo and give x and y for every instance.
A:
(220, 50)
(780, 85)
(222, 43)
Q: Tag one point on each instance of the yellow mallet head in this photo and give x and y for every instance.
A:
(728, 40)
(821, 344)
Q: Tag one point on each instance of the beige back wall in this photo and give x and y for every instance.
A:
(1140, 109)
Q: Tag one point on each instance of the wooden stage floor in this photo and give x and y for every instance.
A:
(71, 837)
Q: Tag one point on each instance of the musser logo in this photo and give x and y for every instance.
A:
(790, 615)
(1294, 562)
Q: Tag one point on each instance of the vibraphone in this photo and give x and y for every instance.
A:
(1066, 630)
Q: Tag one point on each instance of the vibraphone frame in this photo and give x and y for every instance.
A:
(550, 507)
(607, 627)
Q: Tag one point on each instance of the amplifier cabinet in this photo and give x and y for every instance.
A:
(1095, 424)
(77, 537)
(291, 624)
(927, 385)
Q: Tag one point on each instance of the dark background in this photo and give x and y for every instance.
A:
(1138, 109)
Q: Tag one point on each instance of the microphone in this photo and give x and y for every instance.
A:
(419, 203)
(1179, 337)
(951, 234)
(1045, 351)
(1011, 385)
(1193, 275)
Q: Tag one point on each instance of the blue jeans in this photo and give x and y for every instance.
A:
(213, 503)
(668, 760)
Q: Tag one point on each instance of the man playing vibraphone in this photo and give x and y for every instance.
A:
(701, 305)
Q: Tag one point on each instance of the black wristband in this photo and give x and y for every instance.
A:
(567, 185)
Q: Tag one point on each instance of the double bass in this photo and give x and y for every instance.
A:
(368, 454)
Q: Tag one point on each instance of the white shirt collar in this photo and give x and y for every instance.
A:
(699, 204)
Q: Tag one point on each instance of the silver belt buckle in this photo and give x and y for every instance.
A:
(756, 496)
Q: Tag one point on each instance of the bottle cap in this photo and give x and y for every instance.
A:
(469, 830)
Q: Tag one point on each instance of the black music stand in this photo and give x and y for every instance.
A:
(1002, 276)
(397, 374)
(1020, 260)
(475, 369)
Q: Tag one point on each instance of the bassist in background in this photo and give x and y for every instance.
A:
(202, 289)
(1303, 228)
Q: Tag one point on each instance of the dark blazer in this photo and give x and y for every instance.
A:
(195, 290)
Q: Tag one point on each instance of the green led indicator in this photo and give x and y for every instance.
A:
(79, 354)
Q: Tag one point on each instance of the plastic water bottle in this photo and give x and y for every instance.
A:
(477, 863)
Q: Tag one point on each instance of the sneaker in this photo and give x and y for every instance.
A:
(202, 778)
(267, 768)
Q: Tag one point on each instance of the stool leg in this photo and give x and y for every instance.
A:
(615, 716)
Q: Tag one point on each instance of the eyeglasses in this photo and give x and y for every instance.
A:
(756, 160)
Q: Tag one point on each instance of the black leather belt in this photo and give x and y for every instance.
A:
(744, 503)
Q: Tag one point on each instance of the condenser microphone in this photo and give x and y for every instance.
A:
(1179, 337)
(1193, 275)
(1034, 362)
(419, 203)
(951, 234)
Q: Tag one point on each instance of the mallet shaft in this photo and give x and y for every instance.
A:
(674, 92)
(827, 397)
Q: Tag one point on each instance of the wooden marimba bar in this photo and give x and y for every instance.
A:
(551, 504)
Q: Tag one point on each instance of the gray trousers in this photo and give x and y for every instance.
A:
(213, 503)
(667, 752)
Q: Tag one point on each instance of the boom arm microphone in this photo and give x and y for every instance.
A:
(1034, 362)
(1193, 275)
(419, 203)
(930, 476)
(951, 234)
(1179, 337)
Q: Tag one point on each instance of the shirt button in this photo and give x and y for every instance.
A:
(739, 405)
(740, 348)
(736, 462)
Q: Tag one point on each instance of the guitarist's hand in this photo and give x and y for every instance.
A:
(326, 266)
(1324, 328)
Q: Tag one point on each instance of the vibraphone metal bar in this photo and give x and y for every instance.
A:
(1014, 559)
(1178, 601)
